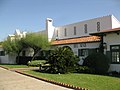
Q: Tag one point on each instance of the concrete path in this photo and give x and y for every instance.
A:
(13, 81)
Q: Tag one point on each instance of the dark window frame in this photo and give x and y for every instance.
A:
(85, 28)
(75, 30)
(57, 33)
(115, 51)
(2, 53)
(65, 32)
(75, 45)
(86, 51)
(98, 26)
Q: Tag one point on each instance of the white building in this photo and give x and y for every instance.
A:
(11, 58)
(111, 41)
(86, 37)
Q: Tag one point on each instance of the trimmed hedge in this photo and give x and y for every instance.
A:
(85, 69)
(98, 61)
(36, 63)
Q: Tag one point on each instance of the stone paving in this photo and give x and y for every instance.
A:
(14, 81)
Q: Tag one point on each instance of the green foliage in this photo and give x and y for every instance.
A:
(84, 69)
(36, 62)
(1, 43)
(98, 61)
(37, 42)
(62, 60)
(12, 46)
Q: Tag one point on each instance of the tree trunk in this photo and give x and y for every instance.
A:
(17, 59)
(35, 53)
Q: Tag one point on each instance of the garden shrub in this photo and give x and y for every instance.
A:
(62, 60)
(85, 69)
(98, 61)
(36, 63)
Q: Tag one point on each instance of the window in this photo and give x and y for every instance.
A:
(65, 32)
(115, 57)
(57, 33)
(98, 26)
(86, 52)
(2, 53)
(82, 44)
(85, 28)
(83, 52)
(115, 54)
(75, 45)
(74, 30)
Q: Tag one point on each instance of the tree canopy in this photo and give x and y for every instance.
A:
(12, 46)
(36, 41)
(32, 40)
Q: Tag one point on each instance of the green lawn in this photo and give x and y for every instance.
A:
(14, 66)
(92, 82)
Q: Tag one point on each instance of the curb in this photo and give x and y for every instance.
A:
(49, 81)
(5, 67)
(53, 82)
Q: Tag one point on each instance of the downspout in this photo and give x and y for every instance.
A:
(101, 47)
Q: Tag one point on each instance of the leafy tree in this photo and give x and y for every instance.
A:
(15, 46)
(62, 60)
(37, 42)
(1, 43)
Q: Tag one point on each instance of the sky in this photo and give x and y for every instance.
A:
(30, 15)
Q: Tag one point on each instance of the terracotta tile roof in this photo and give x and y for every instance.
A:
(76, 40)
(106, 31)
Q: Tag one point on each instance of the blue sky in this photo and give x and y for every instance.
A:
(30, 15)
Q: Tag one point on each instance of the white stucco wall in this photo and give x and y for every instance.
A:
(115, 22)
(114, 67)
(112, 39)
(4, 59)
(7, 59)
(12, 58)
(88, 46)
(105, 23)
(49, 28)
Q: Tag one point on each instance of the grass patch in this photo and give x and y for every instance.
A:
(92, 82)
(14, 66)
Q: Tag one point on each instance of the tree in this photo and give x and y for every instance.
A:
(62, 60)
(16, 46)
(37, 42)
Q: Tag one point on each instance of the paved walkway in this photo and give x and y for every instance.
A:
(13, 81)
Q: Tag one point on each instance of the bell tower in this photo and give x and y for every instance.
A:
(49, 28)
